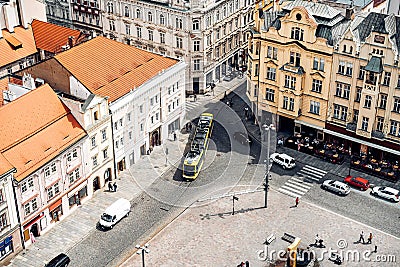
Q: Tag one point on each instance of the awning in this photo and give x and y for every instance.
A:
(55, 205)
(309, 125)
(346, 137)
(374, 65)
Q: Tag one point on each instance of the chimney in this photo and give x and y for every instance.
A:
(349, 13)
(70, 41)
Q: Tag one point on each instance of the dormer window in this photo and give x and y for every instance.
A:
(297, 34)
(96, 115)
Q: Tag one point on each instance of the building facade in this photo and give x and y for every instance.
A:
(290, 58)
(208, 35)
(364, 103)
(145, 91)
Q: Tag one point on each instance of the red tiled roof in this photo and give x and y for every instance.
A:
(5, 165)
(110, 68)
(51, 37)
(16, 45)
(36, 127)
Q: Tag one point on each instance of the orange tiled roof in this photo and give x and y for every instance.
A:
(5, 165)
(16, 45)
(51, 37)
(35, 128)
(3, 87)
(110, 68)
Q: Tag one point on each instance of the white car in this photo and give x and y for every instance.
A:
(336, 186)
(386, 192)
(286, 161)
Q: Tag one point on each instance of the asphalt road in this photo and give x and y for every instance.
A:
(228, 164)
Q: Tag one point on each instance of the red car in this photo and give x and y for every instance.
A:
(359, 182)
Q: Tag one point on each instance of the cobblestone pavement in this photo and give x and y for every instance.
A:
(210, 235)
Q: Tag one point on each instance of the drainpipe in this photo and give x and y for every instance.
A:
(14, 184)
(112, 137)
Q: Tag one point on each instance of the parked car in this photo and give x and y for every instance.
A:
(386, 192)
(359, 182)
(286, 161)
(61, 260)
(336, 186)
(242, 138)
(114, 213)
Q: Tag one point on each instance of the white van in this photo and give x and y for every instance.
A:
(115, 213)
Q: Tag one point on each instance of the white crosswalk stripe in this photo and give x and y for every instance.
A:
(299, 184)
(191, 105)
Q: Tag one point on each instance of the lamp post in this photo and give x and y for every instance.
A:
(267, 129)
(143, 250)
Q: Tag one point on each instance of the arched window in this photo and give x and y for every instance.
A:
(138, 14)
(196, 25)
(126, 11)
(162, 19)
(150, 16)
(110, 7)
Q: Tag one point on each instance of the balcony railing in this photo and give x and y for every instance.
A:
(351, 126)
(377, 134)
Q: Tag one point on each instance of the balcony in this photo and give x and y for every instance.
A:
(377, 134)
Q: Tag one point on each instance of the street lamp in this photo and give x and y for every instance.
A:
(143, 250)
(267, 129)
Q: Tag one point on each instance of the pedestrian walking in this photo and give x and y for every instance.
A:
(174, 136)
(115, 186)
(316, 239)
(376, 249)
(195, 97)
(224, 94)
(297, 201)
(361, 237)
(110, 187)
(369, 241)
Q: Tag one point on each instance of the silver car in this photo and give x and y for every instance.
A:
(386, 192)
(336, 186)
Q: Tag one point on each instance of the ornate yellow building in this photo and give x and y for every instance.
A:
(290, 59)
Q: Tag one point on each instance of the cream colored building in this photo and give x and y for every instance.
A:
(364, 103)
(290, 58)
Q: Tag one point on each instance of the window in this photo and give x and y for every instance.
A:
(196, 64)
(396, 105)
(152, 119)
(398, 82)
(314, 107)
(386, 78)
(342, 66)
(77, 174)
(290, 82)
(343, 90)
(295, 59)
(355, 116)
(361, 74)
(112, 25)
(358, 94)
(179, 43)
(336, 111)
(30, 206)
(285, 102)
(343, 115)
(138, 14)
(103, 135)
(53, 167)
(178, 23)
(340, 112)
(196, 25)
(120, 122)
(169, 108)
(379, 124)
(139, 32)
(162, 37)
(128, 116)
(367, 102)
(46, 171)
(150, 17)
(116, 144)
(393, 127)
(94, 161)
(291, 104)
(105, 153)
(110, 7)
(316, 86)
(256, 70)
(270, 95)
(349, 69)
(53, 190)
(319, 64)
(141, 108)
(126, 13)
(271, 73)
(382, 103)
(141, 127)
(93, 141)
(272, 52)
(4, 223)
(364, 124)
(151, 35)
(297, 33)
(196, 45)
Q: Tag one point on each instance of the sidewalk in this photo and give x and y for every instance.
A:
(72, 229)
(210, 235)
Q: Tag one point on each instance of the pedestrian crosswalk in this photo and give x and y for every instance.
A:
(190, 104)
(302, 181)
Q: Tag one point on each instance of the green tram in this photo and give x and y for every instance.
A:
(195, 157)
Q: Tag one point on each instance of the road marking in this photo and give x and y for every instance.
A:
(307, 173)
(311, 178)
(283, 191)
(292, 181)
(299, 180)
(315, 169)
(294, 186)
